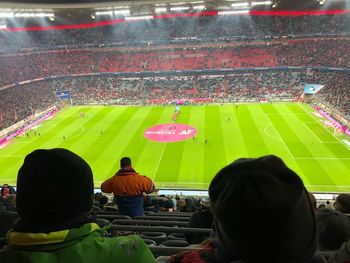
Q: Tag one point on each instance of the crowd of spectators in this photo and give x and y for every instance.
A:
(21, 101)
(32, 65)
(205, 28)
(255, 204)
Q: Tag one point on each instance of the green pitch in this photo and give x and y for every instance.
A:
(106, 134)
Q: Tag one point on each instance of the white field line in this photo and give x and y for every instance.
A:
(317, 121)
(183, 183)
(324, 185)
(313, 133)
(305, 123)
(160, 159)
(268, 134)
(321, 158)
(12, 156)
(280, 137)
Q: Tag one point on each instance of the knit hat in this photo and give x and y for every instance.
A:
(333, 228)
(262, 211)
(53, 186)
(125, 161)
(344, 201)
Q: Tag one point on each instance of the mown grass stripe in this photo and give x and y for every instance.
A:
(232, 136)
(128, 126)
(173, 151)
(214, 152)
(254, 145)
(297, 148)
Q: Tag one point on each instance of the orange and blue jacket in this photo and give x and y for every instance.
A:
(128, 188)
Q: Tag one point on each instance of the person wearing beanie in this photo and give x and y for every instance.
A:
(342, 203)
(128, 188)
(333, 229)
(54, 223)
(262, 213)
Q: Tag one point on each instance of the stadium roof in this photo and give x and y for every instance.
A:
(64, 4)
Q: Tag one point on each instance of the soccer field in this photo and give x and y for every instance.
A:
(289, 130)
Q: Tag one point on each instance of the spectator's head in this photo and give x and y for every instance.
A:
(342, 203)
(333, 229)
(103, 200)
(54, 189)
(262, 212)
(125, 161)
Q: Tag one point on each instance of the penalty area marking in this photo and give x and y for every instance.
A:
(314, 134)
(317, 121)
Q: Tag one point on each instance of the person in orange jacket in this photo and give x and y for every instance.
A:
(128, 187)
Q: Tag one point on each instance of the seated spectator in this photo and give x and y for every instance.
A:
(262, 213)
(342, 203)
(7, 220)
(189, 205)
(128, 188)
(203, 218)
(180, 203)
(55, 223)
(7, 190)
(333, 229)
(100, 201)
(163, 203)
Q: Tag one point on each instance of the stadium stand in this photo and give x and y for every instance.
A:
(31, 72)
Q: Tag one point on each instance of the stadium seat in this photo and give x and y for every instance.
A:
(157, 237)
(174, 243)
(176, 236)
(150, 242)
(102, 222)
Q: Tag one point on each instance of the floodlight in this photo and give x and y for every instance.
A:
(198, 7)
(236, 12)
(104, 13)
(122, 12)
(262, 3)
(160, 9)
(241, 4)
(133, 18)
(7, 14)
(179, 8)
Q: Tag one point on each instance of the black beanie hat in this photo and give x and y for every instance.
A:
(344, 201)
(125, 161)
(263, 212)
(53, 186)
(333, 228)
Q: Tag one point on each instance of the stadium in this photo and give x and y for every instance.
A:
(182, 88)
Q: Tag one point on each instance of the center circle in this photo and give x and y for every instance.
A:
(170, 132)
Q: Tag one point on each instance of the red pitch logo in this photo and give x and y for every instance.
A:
(170, 132)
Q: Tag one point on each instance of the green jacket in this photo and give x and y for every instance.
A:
(84, 244)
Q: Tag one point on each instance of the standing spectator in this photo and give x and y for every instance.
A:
(55, 224)
(128, 188)
(262, 213)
